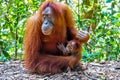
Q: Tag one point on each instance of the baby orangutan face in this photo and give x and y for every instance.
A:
(71, 47)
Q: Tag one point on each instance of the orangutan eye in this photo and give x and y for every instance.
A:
(47, 15)
(43, 16)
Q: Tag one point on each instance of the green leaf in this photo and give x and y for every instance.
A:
(105, 13)
(110, 9)
(20, 23)
(108, 1)
(117, 15)
(1, 58)
(114, 20)
(6, 54)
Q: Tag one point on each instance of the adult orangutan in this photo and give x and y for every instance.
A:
(52, 24)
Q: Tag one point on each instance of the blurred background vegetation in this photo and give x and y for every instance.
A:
(101, 17)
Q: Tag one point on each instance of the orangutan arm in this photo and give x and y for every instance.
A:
(72, 32)
(32, 42)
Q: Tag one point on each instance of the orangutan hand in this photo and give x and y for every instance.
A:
(83, 36)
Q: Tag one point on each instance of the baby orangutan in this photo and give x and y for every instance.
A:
(72, 48)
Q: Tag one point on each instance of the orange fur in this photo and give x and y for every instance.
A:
(76, 47)
(41, 53)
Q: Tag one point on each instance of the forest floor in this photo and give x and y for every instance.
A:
(109, 70)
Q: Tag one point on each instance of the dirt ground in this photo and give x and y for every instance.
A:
(14, 70)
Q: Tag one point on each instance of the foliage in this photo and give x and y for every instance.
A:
(107, 38)
(102, 16)
(13, 15)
